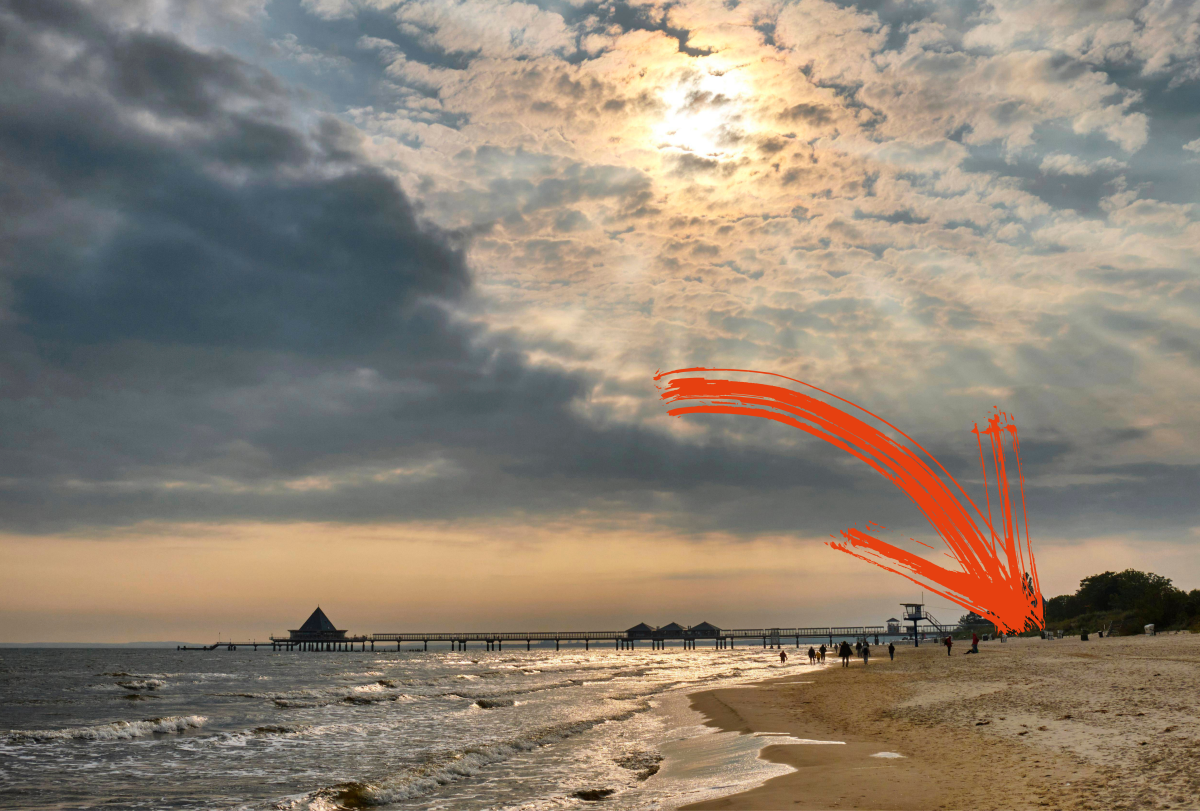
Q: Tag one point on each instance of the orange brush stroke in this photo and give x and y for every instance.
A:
(998, 576)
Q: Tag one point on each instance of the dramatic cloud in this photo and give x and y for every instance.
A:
(381, 261)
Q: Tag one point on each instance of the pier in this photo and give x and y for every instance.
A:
(319, 634)
(624, 640)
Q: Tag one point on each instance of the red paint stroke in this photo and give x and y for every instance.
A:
(997, 576)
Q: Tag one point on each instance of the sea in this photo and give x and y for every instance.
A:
(529, 730)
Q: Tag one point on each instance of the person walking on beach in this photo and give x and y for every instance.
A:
(822, 653)
(892, 651)
(949, 643)
(866, 653)
(857, 647)
(974, 643)
(844, 652)
(812, 655)
(783, 657)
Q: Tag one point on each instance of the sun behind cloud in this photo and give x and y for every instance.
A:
(706, 113)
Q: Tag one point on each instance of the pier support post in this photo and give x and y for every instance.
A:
(527, 644)
(585, 644)
(556, 644)
(426, 644)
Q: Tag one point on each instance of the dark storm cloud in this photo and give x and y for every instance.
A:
(213, 306)
(221, 310)
(228, 232)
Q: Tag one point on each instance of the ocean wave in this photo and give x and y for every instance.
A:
(242, 737)
(142, 684)
(449, 767)
(116, 731)
(369, 693)
(373, 687)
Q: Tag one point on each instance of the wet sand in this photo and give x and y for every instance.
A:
(1109, 723)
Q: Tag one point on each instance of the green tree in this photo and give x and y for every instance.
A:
(1147, 597)
(970, 618)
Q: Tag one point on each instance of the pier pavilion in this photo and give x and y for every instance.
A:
(319, 633)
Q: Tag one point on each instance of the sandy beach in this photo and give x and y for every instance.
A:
(1108, 723)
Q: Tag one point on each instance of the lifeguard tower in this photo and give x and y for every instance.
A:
(914, 613)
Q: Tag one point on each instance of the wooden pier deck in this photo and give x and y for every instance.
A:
(620, 640)
(623, 640)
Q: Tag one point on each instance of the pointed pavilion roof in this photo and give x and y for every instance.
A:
(317, 623)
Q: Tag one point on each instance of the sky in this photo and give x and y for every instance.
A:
(359, 303)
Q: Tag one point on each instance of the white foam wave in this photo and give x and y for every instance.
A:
(374, 687)
(116, 731)
(451, 766)
(142, 684)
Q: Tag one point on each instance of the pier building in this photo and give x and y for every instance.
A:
(319, 633)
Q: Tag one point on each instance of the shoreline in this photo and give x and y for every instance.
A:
(942, 766)
(1007, 729)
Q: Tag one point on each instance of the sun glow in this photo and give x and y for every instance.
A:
(706, 114)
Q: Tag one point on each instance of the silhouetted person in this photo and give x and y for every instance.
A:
(857, 647)
(949, 643)
(783, 657)
(822, 652)
(844, 652)
(812, 655)
(891, 651)
(866, 653)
